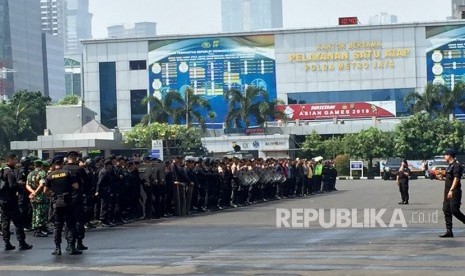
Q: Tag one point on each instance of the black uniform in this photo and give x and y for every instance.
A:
(79, 175)
(452, 206)
(60, 183)
(9, 206)
(103, 188)
(25, 207)
(403, 185)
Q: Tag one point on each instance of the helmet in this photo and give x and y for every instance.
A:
(25, 161)
(90, 163)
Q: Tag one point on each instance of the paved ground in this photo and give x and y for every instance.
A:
(246, 241)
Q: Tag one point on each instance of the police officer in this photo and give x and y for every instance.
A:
(35, 185)
(452, 192)
(402, 181)
(25, 207)
(103, 192)
(9, 205)
(61, 184)
(79, 175)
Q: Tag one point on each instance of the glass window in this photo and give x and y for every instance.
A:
(107, 78)
(138, 110)
(137, 65)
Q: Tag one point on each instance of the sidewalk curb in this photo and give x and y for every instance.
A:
(370, 177)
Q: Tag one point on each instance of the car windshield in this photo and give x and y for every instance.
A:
(440, 163)
(393, 162)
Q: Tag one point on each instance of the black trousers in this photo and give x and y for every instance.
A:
(62, 215)
(403, 189)
(10, 213)
(451, 207)
(80, 217)
(105, 208)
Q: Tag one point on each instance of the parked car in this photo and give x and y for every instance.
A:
(391, 167)
(438, 167)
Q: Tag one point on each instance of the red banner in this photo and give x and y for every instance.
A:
(338, 110)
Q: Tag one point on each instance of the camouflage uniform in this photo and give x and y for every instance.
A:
(40, 203)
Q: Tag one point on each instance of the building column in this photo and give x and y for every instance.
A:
(39, 154)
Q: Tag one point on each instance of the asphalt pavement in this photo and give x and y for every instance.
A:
(360, 230)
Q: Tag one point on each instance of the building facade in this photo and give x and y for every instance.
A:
(21, 44)
(79, 25)
(251, 15)
(458, 9)
(140, 29)
(354, 73)
(53, 17)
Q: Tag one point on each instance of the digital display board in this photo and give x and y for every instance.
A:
(212, 66)
(348, 20)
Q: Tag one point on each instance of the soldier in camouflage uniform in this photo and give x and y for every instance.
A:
(40, 203)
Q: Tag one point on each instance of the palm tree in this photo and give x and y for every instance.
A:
(453, 98)
(270, 111)
(437, 99)
(163, 110)
(254, 102)
(428, 101)
(193, 105)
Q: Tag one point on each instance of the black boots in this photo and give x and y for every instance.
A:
(72, 249)
(9, 246)
(448, 234)
(81, 246)
(57, 251)
(24, 246)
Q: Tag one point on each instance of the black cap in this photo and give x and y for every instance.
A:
(58, 159)
(98, 159)
(73, 152)
(108, 162)
(450, 152)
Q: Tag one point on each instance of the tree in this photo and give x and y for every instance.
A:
(453, 98)
(313, 145)
(368, 144)
(332, 147)
(193, 106)
(241, 107)
(69, 100)
(29, 113)
(419, 137)
(176, 137)
(174, 108)
(427, 101)
(167, 109)
(437, 100)
(22, 118)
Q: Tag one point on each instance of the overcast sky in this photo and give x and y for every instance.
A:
(204, 16)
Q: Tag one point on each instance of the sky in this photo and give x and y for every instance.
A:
(204, 16)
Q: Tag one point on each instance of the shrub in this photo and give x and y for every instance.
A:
(342, 163)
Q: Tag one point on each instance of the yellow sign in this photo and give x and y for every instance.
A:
(356, 55)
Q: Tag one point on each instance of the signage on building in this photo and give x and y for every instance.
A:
(338, 110)
(157, 149)
(257, 130)
(278, 144)
(348, 20)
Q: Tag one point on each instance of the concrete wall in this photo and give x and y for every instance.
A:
(67, 119)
